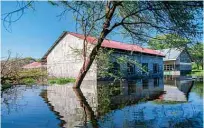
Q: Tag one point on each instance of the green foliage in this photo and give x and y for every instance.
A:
(52, 81)
(61, 81)
(27, 77)
(167, 41)
(196, 73)
(28, 81)
(106, 60)
(33, 73)
(196, 52)
(104, 98)
(176, 41)
(5, 86)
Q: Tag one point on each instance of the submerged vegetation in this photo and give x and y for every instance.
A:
(61, 81)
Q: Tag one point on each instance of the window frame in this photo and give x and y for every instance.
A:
(145, 83)
(146, 65)
(155, 70)
(156, 82)
(130, 68)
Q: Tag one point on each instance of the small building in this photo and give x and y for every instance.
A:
(34, 65)
(63, 58)
(177, 61)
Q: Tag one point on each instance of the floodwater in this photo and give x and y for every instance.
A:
(141, 103)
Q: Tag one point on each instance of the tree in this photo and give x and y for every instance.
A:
(196, 52)
(135, 19)
(10, 68)
(168, 41)
(12, 71)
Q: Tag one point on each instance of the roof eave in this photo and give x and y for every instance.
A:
(52, 47)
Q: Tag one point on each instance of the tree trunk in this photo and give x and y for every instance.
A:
(89, 62)
(109, 13)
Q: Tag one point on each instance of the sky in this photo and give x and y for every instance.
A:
(35, 32)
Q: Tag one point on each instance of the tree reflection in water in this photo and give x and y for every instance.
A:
(88, 112)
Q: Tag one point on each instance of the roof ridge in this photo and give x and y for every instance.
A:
(114, 44)
(115, 41)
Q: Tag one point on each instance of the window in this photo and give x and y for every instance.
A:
(155, 68)
(145, 68)
(131, 87)
(115, 89)
(145, 83)
(168, 67)
(156, 82)
(115, 69)
(130, 68)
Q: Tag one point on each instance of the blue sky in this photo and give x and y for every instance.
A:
(35, 32)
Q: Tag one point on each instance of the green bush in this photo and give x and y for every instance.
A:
(52, 81)
(33, 73)
(61, 80)
(5, 86)
(28, 81)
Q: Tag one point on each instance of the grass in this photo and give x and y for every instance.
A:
(196, 71)
(61, 81)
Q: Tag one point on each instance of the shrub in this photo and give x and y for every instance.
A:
(5, 86)
(61, 80)
(28, 81)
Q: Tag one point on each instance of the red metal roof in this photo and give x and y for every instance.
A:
(118, 45)
(33, 65)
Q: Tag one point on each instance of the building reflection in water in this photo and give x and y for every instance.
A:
(180, 86)
(97, 99)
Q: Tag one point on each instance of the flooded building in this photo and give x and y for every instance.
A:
(177, 61)
(64, 58)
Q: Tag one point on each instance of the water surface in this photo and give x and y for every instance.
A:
(139, 103)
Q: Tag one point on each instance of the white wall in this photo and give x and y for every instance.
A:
(64, 61)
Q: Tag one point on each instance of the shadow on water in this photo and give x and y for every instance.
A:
(156, 102)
